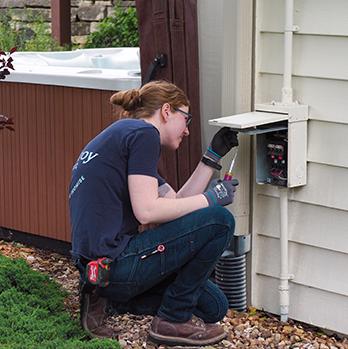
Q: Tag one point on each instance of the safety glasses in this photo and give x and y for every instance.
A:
(188, 116)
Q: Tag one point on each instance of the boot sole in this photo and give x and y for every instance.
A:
(157, 338)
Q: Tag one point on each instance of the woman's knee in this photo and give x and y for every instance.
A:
(213, 304)
(220, 312)
(224, 218)
(220, 215)
(218, 224)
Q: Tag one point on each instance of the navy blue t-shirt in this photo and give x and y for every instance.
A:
(101, 214)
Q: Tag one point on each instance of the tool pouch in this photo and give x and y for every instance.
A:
(97, 272)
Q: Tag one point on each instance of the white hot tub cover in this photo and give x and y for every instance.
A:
(106, 68)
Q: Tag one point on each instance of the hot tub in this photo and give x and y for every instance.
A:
(106, 69)
(59, 101)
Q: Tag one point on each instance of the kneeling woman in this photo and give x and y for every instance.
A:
(163, 244)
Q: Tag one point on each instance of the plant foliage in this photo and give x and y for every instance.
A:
(6, 64)
(119, 30)
(34, 37)
(6, 122)
(32, 314)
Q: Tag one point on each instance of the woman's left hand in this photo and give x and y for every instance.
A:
(223, 141)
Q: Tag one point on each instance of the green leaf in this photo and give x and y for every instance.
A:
(119, 30)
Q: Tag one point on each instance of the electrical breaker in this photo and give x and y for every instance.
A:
(277, 154)
(281, 141)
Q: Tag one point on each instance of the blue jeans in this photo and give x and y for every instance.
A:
(175, 282)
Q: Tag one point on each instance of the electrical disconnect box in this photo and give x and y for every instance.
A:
(281, 141)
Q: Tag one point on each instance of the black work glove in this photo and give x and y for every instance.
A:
(223, 141)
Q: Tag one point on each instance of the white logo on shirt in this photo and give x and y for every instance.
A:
(78, 182)
(85, 157)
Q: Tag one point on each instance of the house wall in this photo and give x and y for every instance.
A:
(318, 217)
(225, 61)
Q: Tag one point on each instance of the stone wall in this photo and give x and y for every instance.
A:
(85, 14)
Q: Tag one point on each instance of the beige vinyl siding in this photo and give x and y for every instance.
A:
(304, 262)
(327, 98)
(308, 224)
(313, 56)
(318, 212)
(329, 145)
(225, 61)
(326, 186)
(312, 16)
(317, 307)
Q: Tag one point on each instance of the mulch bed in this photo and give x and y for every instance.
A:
(254, 329)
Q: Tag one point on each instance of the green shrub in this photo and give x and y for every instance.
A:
(34, 37)
(41, 40)
(8, 35)
(119, 30)
(32, 314)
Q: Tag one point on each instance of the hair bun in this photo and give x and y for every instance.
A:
(130, 100)
(134, 100)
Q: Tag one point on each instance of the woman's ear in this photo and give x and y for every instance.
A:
(165, 109)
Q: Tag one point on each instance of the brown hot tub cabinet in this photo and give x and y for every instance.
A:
(52, 124)
(56, 111)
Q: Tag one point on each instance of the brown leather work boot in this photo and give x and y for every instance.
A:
(193, 332)
(93, 314)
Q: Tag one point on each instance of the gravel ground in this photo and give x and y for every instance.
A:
(253, 329)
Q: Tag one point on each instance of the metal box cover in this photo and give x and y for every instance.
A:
(249, 120)
(273, 117)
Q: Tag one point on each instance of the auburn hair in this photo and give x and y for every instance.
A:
(144, 101)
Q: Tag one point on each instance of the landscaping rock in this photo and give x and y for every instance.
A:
(253, 330)
(91, 13)
(38, 3)
(12, 3)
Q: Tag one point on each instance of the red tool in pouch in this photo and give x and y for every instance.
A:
(97, 272)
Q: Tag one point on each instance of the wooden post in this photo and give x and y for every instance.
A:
(172, 27)
(61, 21)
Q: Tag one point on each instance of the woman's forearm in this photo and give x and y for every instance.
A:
(164, 210)
(198, 181)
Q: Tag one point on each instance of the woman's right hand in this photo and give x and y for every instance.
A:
(221, 192)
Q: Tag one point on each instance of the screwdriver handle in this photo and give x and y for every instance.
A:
(228, 176)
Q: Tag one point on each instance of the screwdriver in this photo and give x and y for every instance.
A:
(228, 175)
